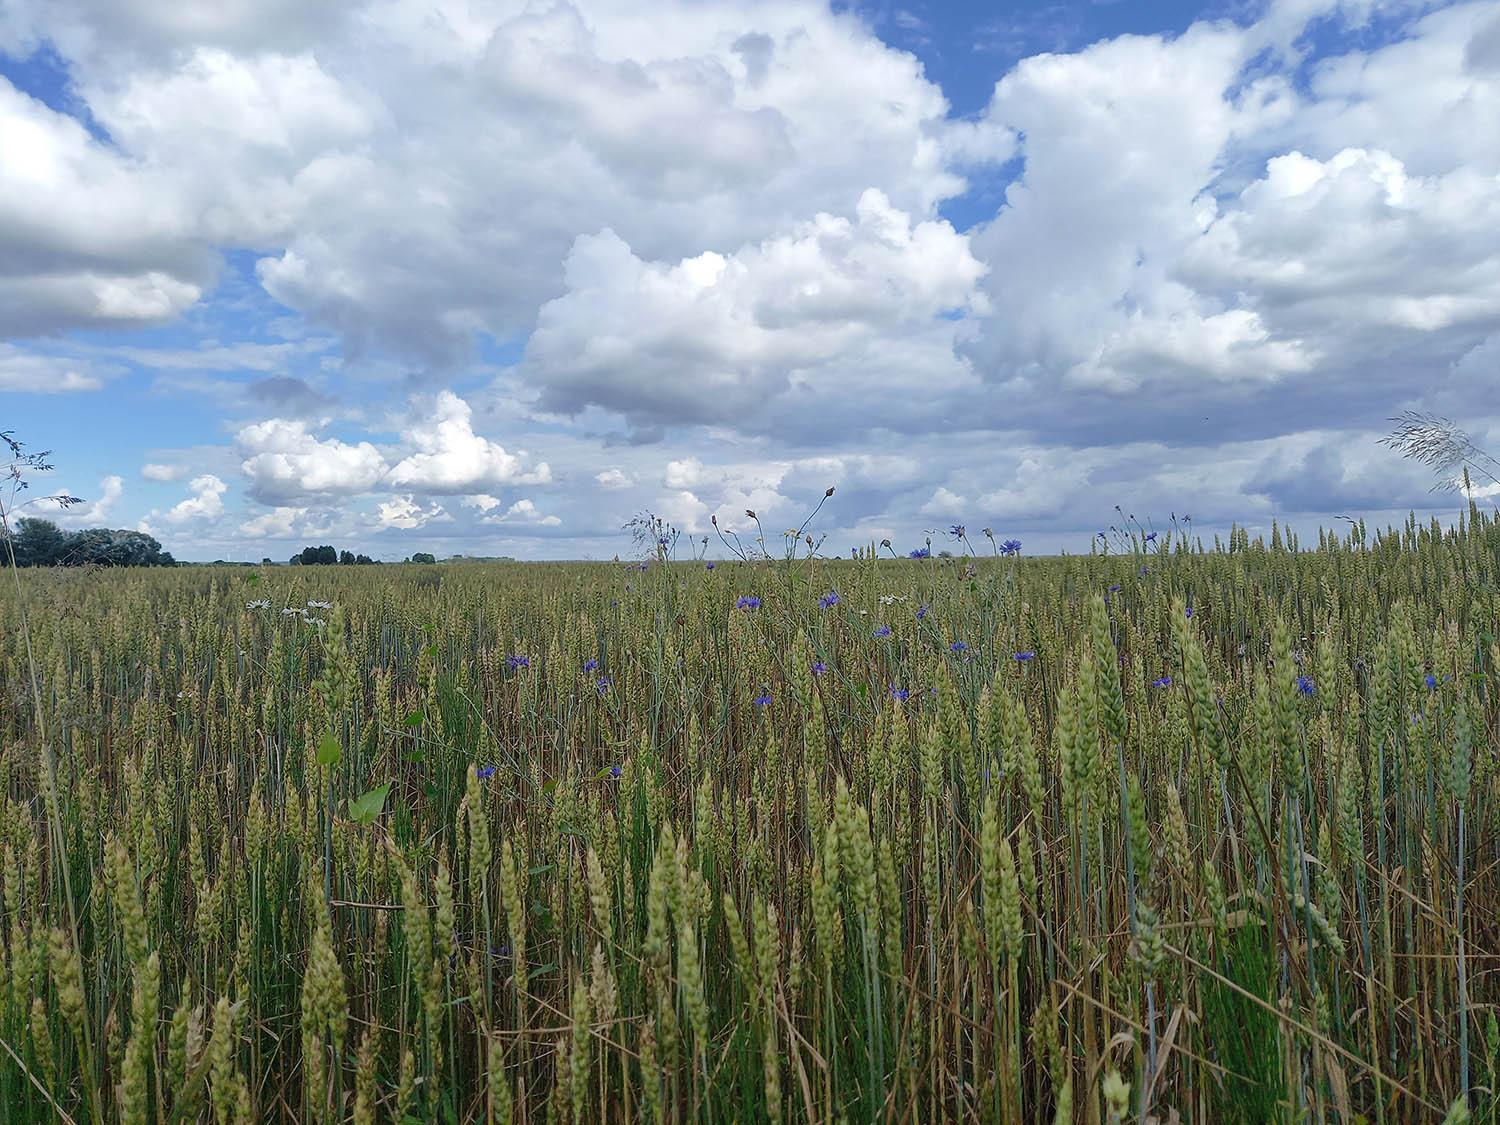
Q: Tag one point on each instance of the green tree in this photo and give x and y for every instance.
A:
(39, 542)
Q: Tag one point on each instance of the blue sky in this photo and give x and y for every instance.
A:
(489, 277)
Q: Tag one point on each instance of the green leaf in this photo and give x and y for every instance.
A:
(416, 756)
(330, 753)
(367, 806)
(415, 719)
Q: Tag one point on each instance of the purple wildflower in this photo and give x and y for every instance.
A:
(484, 773)
(921, 612)
(591, 665)
(958, 647)
(901, 695)
(882, 631)
(819, 668)
(1165, 681)
(1023, 656)
(747, 601)
(762, 700)
(1010, 547)
(1305, 685)
(515, 662)
(829, 600)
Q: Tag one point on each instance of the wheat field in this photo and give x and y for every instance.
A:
(1171, 831)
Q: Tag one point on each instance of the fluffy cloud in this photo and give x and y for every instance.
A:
(203, 505)
(87, 235)
(355, 164)
(613, 479)
(523, 511)
(405, 513)
(286, 460)
(713, 337)
(450, 457)
(285, 523)
(96, 510)
(35, 373)
(289, 465)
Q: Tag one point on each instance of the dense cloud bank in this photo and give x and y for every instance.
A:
(498, 275)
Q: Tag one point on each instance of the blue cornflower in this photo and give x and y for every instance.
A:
(603, 684)
(662, 541)
(957, 531)
(709, 566)
(1010, 547)
(591, 664)
(484, 773)
(1165, 681)
(958, 647)
(1023, 656)
(919, 553)
(515, 661)
(921, 612)
(616, 772)
(747, 601)
(1189, 611)
(1431, 682)
(819, 668)
(1115, 589)
(643, 566)
(1150, 537)
(762, 700)
(899, 694)
(829, 600)
(882, 630)
(1305, 685)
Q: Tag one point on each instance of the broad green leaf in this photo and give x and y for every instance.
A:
(415, 719)
(330, 753)
(367, 806)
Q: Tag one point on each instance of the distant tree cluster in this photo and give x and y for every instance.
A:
(38, 542)
(422, 557)
(327, 556)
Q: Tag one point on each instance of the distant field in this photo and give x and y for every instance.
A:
(1158, 834)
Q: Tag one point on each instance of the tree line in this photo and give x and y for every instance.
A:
(39, 542)
(327, 556)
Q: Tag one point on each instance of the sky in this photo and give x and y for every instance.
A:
(490, 277)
